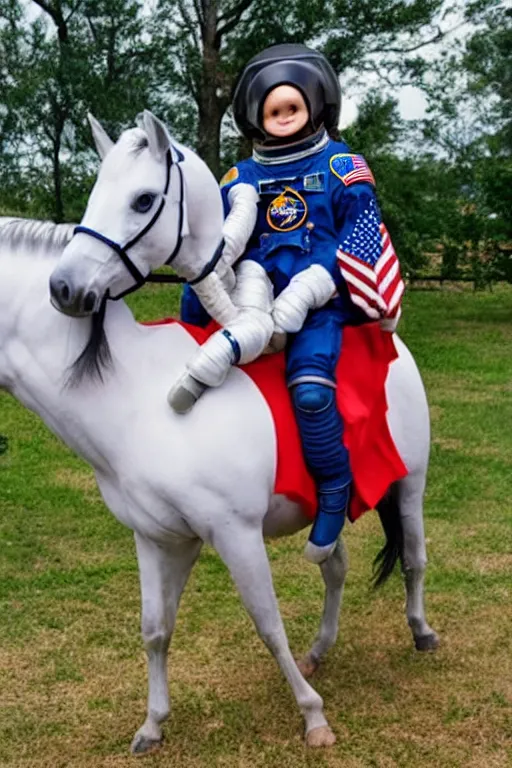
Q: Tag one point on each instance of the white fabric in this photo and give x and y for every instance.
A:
(310, 289)
(389, 324)
(240, 221)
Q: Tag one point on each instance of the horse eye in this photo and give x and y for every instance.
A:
(143, 203)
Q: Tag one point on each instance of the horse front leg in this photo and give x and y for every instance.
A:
(242, 549)
(334, 571)
(164, 571)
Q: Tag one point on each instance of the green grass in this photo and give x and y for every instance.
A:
(72, 669)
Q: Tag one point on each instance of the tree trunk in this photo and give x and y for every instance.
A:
(58, 213)
(211, 108)
(208, 137)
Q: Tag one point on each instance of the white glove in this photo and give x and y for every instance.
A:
(310, 289)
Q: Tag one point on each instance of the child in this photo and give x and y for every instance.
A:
(319, 237)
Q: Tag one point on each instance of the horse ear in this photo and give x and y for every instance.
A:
(102, 140)
(158, 135)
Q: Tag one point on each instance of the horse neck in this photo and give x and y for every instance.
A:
(38, 345)
(204, 214)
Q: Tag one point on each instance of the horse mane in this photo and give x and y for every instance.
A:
(47, 237)
(32, 235)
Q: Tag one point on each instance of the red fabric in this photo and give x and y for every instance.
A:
(361, 373)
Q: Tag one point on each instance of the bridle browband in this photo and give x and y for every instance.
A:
(121, 250)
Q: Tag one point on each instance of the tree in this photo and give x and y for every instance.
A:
(210, 40)
(69, 60)
(470, 121)
(415, 192)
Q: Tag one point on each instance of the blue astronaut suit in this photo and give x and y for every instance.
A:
(314, 198)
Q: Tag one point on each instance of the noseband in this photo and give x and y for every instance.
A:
(121, 250)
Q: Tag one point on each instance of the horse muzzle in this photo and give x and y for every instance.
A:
(70, 300)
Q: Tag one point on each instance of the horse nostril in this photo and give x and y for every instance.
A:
(89, 301)
(60, 291)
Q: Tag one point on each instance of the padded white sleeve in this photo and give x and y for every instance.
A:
(253, 288)
(310, 289)
(240, 221)
(254, 326)
(251, 329)
(215, 299)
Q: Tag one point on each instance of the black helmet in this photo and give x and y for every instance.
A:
(287, 64)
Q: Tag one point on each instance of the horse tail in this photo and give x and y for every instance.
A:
(391, 552)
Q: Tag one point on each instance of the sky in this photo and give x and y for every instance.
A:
(411, 102)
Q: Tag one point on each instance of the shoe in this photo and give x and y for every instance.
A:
(329, 521)
(185, 393)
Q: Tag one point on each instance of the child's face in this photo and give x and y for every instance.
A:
(284, 112)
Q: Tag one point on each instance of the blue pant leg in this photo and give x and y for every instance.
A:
(312, 357)
(191, 309)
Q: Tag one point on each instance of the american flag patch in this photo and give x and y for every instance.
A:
(351, 169)
(369, 264)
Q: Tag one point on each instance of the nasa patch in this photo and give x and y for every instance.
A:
(287, 211)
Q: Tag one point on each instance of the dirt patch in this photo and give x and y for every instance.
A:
(494, 563)
(448, 443)
(80, 480)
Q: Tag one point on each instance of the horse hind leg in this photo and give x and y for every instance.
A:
(164, 571)
(334, 571)
(401, 514)
(243, 551)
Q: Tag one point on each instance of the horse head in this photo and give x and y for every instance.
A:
(134, 222)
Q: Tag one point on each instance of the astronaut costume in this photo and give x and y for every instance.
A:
(318, 235)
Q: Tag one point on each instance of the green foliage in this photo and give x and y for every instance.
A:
(54, 69)
(443, 186)
(470, 120)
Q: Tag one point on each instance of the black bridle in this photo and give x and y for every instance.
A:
(121, 250)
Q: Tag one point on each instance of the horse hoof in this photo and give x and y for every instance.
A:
(307, 666)
(427, 642)
(143, 745)
(320, 737)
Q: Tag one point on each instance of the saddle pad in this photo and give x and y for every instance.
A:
(361, 374)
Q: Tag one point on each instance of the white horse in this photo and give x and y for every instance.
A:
(178, 481)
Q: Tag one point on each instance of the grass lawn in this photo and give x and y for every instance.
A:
(72, 667)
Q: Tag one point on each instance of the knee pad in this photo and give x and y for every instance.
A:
(312, 397)
(321, 431)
